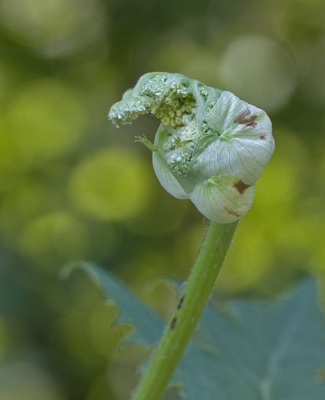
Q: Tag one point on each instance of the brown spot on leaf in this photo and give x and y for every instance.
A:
(180, 303)
(262, 137)
(242, 116)
(244, 120)
(321, 374)
(241, 186)
(173, 323)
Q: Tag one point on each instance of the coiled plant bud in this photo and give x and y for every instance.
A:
(210, 147)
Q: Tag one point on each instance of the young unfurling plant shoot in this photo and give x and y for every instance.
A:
(210, 147)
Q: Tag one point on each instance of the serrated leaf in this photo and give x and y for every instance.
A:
(149, 324)
(266, 350)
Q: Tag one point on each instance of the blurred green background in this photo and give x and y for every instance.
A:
(73, 187)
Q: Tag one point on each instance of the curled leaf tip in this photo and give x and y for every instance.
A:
(210, 147)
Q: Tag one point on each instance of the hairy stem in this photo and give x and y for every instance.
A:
(185, 317)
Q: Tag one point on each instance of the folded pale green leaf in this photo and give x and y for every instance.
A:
(234, 198)
(204, 133)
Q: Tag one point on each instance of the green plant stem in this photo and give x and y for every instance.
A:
(185, 317)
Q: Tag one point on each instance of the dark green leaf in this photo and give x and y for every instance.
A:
(149, 325)
(266, 350)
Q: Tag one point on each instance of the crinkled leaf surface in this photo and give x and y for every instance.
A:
(263, 351)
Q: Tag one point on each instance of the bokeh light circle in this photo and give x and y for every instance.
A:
(54, 27)
(46, 120)
(27, 381)
(259, 71)
(111, 185)
(57, 233)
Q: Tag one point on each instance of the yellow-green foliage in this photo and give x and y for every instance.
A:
(73, 187)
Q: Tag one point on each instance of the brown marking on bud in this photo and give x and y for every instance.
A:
(173, 323)
(262, 137)
(231, 212)
(242, 119)
(180, 303)
(241, 186)
(242, 116)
